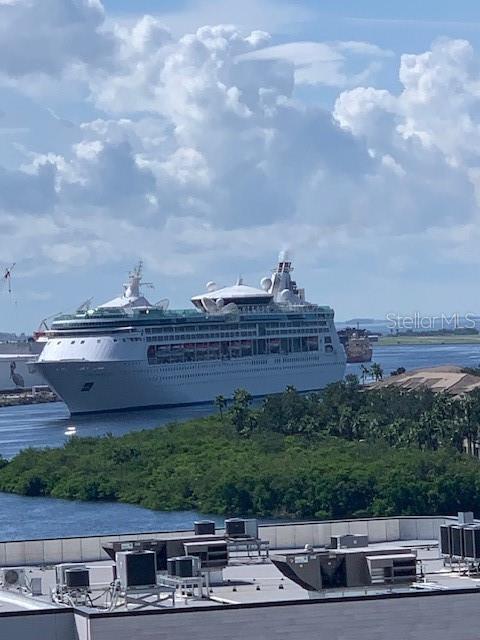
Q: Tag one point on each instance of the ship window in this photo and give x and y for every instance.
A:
(98, 340)
(328, 340)
(87, 386)
(72, 342)
(82, 341)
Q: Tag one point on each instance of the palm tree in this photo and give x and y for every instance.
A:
(220, 403)
(376, 371)
(365, 372)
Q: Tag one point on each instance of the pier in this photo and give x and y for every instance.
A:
(27, 396)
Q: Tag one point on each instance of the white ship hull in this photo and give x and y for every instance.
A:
(128, 384)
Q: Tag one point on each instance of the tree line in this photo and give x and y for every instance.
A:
(419, 418)
(346, 452)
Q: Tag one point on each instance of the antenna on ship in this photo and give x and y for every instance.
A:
(7, 277)
(132, 287)
(85, 306)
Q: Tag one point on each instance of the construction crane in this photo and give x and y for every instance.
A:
(7, 277)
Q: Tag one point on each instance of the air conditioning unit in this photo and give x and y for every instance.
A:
(172, 567)
(184, 567)
(445, 540)
(77, 578)
(136, 569)
(456, 533)
(204, 527)
(471, 542)
(187, 566)
(348, 541)
(13, 577)
(241, 528)
(61, 572)
(213, 555)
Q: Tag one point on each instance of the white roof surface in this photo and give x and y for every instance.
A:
(234, 292)
(123, 301)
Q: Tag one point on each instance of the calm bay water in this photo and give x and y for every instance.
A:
(23, 518)
(418, 356)
(45, 425)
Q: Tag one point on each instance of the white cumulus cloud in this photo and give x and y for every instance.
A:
(199, 148)
(46, 36)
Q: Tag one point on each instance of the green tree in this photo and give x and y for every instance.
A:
(365, 373)
(220, 403)
(376, 371)
(241, 416)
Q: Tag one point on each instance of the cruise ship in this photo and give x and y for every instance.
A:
(128, 353)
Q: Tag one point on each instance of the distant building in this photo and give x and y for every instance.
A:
(444, 379)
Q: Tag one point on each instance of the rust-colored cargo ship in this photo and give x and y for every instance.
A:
(356, 343)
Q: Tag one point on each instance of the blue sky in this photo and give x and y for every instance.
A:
(347, 133)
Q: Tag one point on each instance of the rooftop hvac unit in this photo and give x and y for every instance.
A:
(163, 547)
(241, 528)
(392, 569)
(158, 546)
(187, 566)
(61, 572)
(172, 567)
(13, 578)
(348, 541)
(213, 555)
(77, 578)
(333, 569)
(204, 527)
(136, 569)
(471, 542)
(303, 569)
(456, 541)
(445, 540)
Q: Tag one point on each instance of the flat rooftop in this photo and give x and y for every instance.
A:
(448, 378)
(254, 599)
(253, 581)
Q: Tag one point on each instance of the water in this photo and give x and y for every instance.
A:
(45, 425)
(24, 518)
(419, 356)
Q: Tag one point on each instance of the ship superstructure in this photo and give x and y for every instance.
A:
(142, 355)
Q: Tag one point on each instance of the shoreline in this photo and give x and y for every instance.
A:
(394, 341)
(19, 398)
